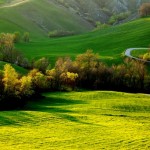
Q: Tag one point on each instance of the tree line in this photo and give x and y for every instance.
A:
(86, 71)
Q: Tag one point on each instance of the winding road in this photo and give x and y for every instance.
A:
(128, 54)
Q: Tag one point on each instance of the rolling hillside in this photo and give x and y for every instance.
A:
(79, 120)
(110, 43)
(39, 17)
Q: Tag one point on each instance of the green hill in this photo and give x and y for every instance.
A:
(38, 18)
(79, 120)
(110, 43)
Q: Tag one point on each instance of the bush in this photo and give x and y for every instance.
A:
(60, 33)
(144, 10)
(100, 26)
(41, 64)
(17, 37)
(26, 37)
(146, 56)
(116, 18)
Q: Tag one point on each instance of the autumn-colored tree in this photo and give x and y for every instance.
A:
(68, 79)
(39, 80)
(41, 64)
(135, 74)
(26, 37)
(25, 88)
(6, 46)
(17, 37)
(144, 9)
(10, 81)
(86, 63)
(6, 41)
(118, 78)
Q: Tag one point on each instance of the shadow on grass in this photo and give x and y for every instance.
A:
(53, 106)
(57, 107)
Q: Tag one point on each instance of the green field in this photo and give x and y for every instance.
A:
(79, 120)
(110, 43)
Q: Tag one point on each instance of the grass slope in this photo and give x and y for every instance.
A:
(110, 43)
(79, 120)
(17, 68)
(39, 17)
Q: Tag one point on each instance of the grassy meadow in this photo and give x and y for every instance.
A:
(79, 120)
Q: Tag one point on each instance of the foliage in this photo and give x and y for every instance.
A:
(26, 37)
(41, 64)
(100, 26)
(60, 33)
(39, 80)
(144, 10)
(14, 90)
(10, 80)
(146, 56)
(17, 37)
(118, 17)
(86, 71)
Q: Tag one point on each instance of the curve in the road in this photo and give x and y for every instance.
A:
(128, 54)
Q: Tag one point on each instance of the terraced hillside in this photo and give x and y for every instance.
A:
(110, 43)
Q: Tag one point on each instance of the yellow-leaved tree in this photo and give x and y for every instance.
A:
(10, 80)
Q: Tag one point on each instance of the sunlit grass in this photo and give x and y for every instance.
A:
(79, 120)
(139, 53)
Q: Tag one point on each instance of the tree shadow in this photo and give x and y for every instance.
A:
(55, 106)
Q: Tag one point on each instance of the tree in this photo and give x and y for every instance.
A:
(10, 80)
(1, 84)
(86, 64)
(6, 45)
(26, 37)
(68, 79)
(39, 80)
(17, 37)
(41, 64)
(25, 88)
(144, 10)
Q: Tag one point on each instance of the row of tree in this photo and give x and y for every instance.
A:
(86, 71)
